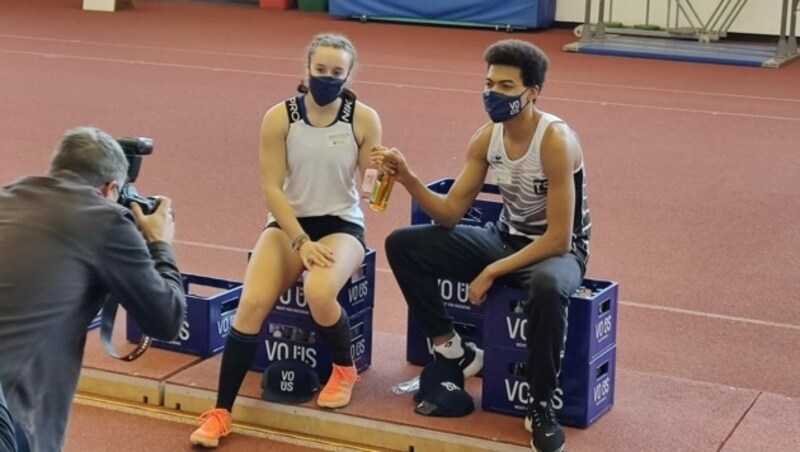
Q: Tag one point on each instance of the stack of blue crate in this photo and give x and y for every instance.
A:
(467, 322)
(211, 304)
(586, 381)
(467, 318)
(289, 331)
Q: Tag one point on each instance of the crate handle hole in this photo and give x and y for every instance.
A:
(603, 369)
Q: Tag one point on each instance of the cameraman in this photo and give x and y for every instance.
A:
(65, 245)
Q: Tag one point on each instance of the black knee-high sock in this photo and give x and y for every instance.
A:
(237, 357)
(338, 338)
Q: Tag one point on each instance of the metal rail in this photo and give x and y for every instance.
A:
(712, 29)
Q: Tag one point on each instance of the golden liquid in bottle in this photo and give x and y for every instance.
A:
(381, 192)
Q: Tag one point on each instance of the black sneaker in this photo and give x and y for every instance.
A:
(546, 433)
(471, 362)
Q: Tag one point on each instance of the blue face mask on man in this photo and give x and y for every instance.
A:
(326, 89)
(500, 107)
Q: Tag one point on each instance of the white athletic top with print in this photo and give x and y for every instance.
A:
(523, 187)
(321, 163)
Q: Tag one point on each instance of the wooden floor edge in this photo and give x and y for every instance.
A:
(302, 423)
(370, 433)
(121, 387)
(165, 414)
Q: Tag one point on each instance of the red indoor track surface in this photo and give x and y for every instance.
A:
(693, 187)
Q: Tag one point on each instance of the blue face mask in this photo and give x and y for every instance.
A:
(325, 90)
(500, 107)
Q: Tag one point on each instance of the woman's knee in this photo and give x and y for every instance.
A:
(251, 313)
(319, 291)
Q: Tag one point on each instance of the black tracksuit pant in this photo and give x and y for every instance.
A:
(420, 254)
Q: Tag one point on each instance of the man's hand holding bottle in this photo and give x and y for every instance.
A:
(382, 175)
(391, 161)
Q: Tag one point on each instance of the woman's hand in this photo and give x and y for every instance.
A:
(315, 254)
(394, 163)
(376, 155)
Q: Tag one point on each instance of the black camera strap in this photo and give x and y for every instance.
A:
(107, 319)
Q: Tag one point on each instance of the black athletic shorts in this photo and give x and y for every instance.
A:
(319, 227)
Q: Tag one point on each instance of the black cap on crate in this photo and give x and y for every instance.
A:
(289, 381)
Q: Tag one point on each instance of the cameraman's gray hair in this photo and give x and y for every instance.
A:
(93, 154)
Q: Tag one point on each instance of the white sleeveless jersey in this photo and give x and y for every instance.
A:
(523, 187)
(321, 163)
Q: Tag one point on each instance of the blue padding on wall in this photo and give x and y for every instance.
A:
(515, 13)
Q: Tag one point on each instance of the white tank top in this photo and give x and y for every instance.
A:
(321, 163)
(523, 187)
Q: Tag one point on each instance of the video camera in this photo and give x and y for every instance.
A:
(135, 148)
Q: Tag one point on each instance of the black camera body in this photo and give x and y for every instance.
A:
(135, 148)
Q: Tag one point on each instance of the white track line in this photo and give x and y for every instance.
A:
(677, 91)
(602, 103)
(394, 85)
(676, 109)
(624, 303)
(711, 316)
(212, 246)
(382, 66)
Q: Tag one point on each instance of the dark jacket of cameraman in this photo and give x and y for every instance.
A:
(63, 249)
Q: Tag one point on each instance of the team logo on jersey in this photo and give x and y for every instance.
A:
(347, 110)
(294, 110)
(496, 162)
(540, 186)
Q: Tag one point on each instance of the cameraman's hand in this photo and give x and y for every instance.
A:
(315, 253)
(158, 226)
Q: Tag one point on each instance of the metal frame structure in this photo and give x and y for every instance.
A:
(714, 28)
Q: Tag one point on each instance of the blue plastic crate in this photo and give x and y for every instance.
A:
(357, 295)
(481, 212)
(208, 319)
(591, 319)
(288, 336)
(585, 392)
(467, 321)
(454, 294)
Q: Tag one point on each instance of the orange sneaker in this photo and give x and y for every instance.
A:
(216, 425)
(337, 391)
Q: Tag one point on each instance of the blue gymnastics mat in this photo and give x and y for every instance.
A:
(677, 50)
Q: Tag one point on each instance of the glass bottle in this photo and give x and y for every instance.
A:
(381, 192)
